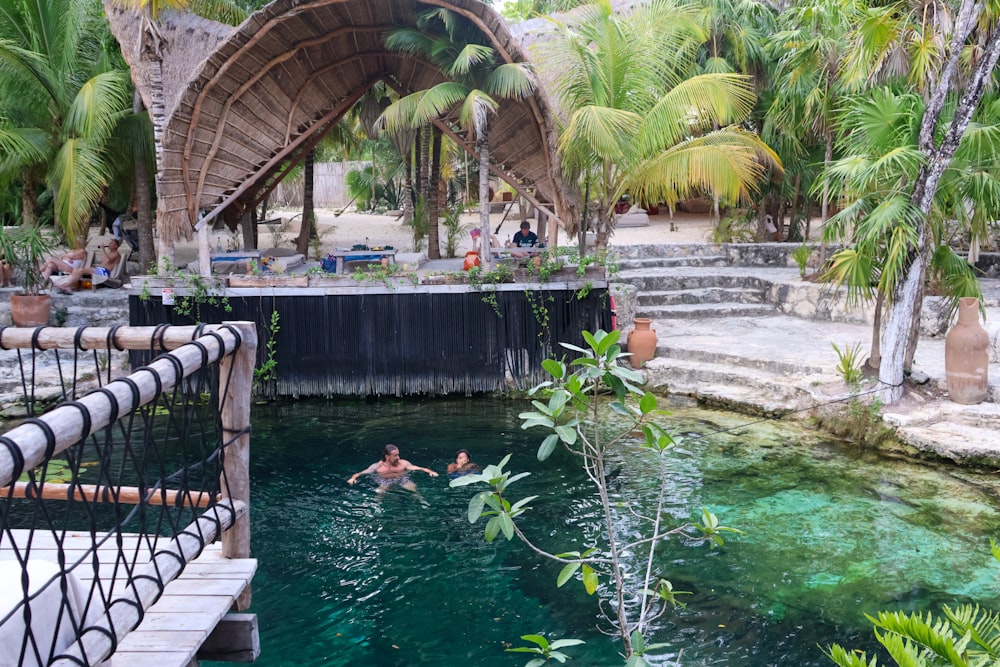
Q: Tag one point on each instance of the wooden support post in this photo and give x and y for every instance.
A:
(235, 386)
(204, 253)
(235, 639)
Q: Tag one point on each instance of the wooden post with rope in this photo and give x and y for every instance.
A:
(235, 386)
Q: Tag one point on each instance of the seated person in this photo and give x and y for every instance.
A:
(524, 238)
(462, 465)
(65, 263)
(107, 265)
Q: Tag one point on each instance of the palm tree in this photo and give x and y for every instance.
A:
(477, 81)
(880, 141)
(638, 122)
(955, 75)
(60, 102)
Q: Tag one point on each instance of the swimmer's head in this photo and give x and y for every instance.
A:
(388, 451)
(462, 457)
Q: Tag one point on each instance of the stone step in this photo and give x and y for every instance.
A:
(682, 250)
(670, 262)
(792, 369)
(700, 311)
(725, 384)
(959, 442)
(651, 281)
(703, 295)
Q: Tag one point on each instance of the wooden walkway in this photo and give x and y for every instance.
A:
(176, 626)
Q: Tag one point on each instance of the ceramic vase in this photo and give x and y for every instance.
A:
(30, 311)
(966, 355)
(641, 342)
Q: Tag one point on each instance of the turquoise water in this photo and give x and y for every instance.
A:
(348, 577)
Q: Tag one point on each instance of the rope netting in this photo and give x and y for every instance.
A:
(107, 496)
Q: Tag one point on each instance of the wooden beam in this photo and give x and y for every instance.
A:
(129, 495)
(101, 338)
(235, 639)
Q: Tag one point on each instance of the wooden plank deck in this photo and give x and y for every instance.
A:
(178, 623)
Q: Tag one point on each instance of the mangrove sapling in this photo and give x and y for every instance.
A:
(575, 414)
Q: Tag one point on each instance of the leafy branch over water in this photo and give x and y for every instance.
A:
(575, 417)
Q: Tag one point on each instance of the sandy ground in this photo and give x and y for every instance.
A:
(353, 228)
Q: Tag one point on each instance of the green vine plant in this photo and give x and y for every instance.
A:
(540, 310)
(487, 281)
(201, 292)
(577, 418)
(266, 371)
(385, 274)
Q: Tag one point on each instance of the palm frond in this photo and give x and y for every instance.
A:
(856, 271)
(510, 81)
(21, 148)
(468, 58)
(601, 129)
(728, 162)
(475, 111)
(98, 106)
(699, 103)
(154, 7)
(418, 109)
(79, 176)
(28, 66)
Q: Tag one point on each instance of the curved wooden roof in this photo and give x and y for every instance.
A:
(240, 101)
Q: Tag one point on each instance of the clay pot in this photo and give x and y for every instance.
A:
(30, 311)
(966, 355)
(641, 342)
(471, 260)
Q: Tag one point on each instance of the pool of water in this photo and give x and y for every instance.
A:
(348, 577)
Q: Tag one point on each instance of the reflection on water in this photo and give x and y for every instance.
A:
(348, 577)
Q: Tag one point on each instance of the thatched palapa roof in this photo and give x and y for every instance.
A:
(241, 101)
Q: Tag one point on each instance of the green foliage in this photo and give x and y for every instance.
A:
(963, 636)
(547, 651)
(266, 371)
(572, 409)
(486, 282)
(454, 229)
(735, 229)
(26, 248)
(849, 364)
(386, 274)
(801, 257)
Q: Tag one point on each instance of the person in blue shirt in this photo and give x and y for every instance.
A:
(525, 238)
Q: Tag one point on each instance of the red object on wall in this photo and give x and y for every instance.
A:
(471, 260)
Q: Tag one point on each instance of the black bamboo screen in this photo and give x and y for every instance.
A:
(405, 344)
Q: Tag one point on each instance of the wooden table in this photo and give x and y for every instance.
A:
(374, 256)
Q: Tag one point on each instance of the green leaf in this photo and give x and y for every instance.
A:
(589, 579)
(506, 525)
(547, 447)
(554, 368)
(566, 574)
(516, 507)
(563, 643)
(647, 403)
(566, 434)
(536, 639)
(476, 506)
(492, 529)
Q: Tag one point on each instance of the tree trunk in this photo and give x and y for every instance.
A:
(824, 208)
(308, 213)
(485, 256)
(796, 184)
(408, 187)
(433, 198)
(248, 225)
(143, 204)
(29, 195)
(875, 358)
(903, 321)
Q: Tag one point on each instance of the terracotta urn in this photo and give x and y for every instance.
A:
(30, 311)
(641, 342)
(966, 355)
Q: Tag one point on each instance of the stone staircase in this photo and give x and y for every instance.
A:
(747, 333)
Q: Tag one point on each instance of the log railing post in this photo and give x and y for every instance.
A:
(235, 386)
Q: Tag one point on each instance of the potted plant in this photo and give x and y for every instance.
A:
(26, 248)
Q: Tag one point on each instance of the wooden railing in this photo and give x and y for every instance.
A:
(178, 512)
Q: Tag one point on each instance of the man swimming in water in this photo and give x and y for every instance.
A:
(391, 471)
